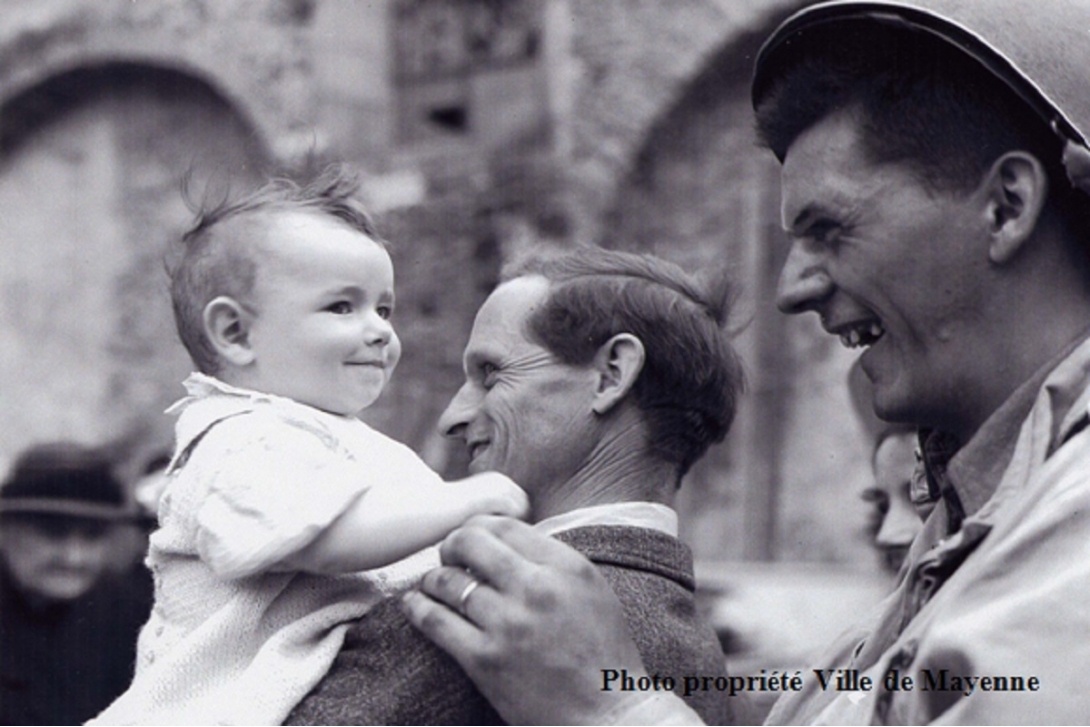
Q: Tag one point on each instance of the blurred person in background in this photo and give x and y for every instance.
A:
(894, 519)
(149, 486)
(69, 614)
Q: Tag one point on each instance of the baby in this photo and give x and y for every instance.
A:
(277, 495)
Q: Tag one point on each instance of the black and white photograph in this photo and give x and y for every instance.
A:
(544, 362)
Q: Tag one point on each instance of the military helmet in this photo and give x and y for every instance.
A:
(1041, 50)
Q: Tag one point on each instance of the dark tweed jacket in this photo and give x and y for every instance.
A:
(389, 673)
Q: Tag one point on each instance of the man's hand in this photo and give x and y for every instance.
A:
(536, 632)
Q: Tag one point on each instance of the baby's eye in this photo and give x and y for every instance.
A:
(341, 307)
(385, 311)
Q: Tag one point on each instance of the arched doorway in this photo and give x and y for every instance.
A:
(91, 166)
(784, 486)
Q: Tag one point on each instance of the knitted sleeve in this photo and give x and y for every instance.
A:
(272, 485)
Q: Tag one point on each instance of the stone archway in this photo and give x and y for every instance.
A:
(91, 165)
(700, 192)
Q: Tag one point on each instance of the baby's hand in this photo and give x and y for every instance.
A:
(497, 494)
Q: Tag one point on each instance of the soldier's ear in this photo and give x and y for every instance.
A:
(618, 362)
(227, 325)
(1015, 189)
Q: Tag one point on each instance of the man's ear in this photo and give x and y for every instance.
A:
(227, 325)
(618, 362)
(1016, 188)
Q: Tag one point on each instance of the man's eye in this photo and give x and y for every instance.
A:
(488, 374)
(823, 231)
(341, 307)
(877, 497)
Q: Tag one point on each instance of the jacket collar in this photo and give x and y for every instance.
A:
(966, 477)
(635, 548)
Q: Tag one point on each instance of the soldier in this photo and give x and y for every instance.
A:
(935, 167)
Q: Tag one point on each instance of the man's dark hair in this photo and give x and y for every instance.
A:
(691, 378)
(216, 258)
(920, 101)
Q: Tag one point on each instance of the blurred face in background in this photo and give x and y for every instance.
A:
(894, 520)
(52, 558)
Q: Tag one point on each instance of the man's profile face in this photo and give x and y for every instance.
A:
(895, 519)
(521, 411)
(54, 558)
(890, 267)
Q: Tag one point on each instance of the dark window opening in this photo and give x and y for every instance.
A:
(450, 118)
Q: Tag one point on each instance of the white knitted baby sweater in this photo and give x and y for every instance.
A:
(232, 638)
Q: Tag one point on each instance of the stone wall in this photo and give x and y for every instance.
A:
(664, 160)
(625, 124)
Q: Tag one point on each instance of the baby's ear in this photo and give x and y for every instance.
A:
(227, 325)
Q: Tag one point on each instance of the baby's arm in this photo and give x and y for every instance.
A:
(386, 524)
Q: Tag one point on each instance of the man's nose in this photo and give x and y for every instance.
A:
(459, 412)
(78, 549)
(803, 280)
(899, 526)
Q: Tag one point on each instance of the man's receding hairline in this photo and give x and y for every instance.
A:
(529, 278)
(566, 278)
(525, 328)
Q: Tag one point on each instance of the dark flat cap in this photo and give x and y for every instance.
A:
(64, 479)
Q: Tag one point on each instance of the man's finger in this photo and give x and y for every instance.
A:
(532, 544)
(478, 549)
(472, 597)
(446, 627)
(499, 548)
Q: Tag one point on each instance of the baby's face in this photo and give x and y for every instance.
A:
(323, 296)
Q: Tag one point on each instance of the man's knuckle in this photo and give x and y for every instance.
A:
(456, 540)
(430, 620)
(541, 596)
(519, 632)
(503, 525)
(488, 660)
(477, 521)
(462, 538)
(585, 571)
(441, 580)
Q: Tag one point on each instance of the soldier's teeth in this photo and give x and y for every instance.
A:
(857, 337)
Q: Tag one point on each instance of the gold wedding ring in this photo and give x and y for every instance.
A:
(466, 593)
